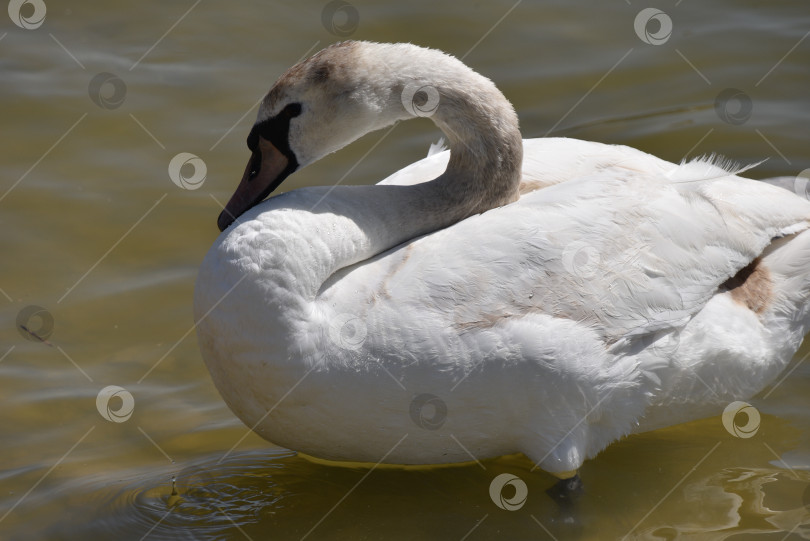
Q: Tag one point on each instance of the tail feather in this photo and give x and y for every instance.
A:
(709, 167)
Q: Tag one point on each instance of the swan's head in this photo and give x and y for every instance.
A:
(316, 107)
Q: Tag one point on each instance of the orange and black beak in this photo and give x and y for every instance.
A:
(271, 162)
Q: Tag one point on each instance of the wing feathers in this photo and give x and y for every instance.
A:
(631, 246)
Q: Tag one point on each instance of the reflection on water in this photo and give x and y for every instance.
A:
(104, 227)
(276, 491)
(734, 502)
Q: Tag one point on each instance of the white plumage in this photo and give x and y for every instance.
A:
(596, 305)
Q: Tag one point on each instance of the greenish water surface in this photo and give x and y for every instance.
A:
(98, 98)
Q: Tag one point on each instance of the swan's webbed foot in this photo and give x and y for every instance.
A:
(566, 493)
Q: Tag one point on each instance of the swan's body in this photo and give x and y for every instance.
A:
(546, 296)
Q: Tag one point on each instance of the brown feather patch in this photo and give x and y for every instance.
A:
(752, 286)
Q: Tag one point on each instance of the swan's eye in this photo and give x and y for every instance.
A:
(292, 110)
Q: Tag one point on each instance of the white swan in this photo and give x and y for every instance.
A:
(458, 311)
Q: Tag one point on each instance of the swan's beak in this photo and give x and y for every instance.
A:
(266, 169)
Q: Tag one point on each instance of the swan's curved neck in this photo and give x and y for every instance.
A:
(486, 155)
(480, 125)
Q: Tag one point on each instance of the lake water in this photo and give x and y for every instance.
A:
(97, 101)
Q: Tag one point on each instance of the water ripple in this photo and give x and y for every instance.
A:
(208, 500)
